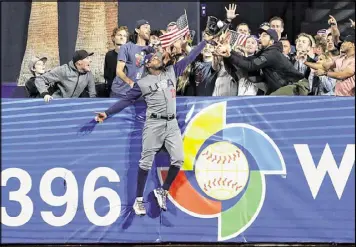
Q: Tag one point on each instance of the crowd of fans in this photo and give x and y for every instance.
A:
(265, 64)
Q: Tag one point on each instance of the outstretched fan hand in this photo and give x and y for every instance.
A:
(223, 49)
(225, 37)
(231, 12)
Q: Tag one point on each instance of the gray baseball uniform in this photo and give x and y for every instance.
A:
(161, 126)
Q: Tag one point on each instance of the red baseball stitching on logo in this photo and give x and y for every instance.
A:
(222, 159)
(210, 183)
(213, 159)
(238, 187)
(234, 156)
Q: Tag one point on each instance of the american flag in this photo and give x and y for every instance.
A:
(237, 38)
(179, 31)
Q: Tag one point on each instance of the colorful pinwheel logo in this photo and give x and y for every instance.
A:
(224, 171)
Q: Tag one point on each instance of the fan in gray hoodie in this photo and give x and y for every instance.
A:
(71, 79)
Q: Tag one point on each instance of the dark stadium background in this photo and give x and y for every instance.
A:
(15, 17)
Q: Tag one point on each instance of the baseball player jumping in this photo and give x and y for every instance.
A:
(158, 88)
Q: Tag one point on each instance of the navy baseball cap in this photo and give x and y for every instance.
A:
(271, 32)
(149, 56)
(139, 23)
(80, 55)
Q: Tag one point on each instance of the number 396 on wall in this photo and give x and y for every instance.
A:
(70, 197)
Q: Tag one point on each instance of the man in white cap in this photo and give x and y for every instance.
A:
(72, 78)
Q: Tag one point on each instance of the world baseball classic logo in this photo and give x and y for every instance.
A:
(230, 162)
(222, 171)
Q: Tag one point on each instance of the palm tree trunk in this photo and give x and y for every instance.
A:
(42, 39)
(112, 12)
(93, 33)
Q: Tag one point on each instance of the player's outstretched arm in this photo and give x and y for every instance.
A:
(131, 96)
(180, 66)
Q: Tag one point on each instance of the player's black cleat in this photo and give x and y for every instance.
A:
(161, 196)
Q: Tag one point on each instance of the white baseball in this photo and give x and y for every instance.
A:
(222, 170)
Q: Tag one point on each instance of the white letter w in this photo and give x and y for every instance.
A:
(327, 163)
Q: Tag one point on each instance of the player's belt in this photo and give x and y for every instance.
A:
(169, 117)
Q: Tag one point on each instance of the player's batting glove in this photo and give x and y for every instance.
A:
(100, 117)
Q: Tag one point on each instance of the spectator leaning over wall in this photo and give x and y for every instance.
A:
(72, 79)
(37, 67)
(342, 68)
(322, 85)
(276, 68)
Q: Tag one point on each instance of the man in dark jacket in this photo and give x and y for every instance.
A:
(276, 68)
